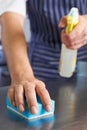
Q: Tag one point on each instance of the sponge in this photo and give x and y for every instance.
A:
(42, 113)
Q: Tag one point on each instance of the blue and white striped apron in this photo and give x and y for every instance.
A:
(45, 42)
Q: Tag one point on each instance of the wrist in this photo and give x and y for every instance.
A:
(21, 76)
(21, 72)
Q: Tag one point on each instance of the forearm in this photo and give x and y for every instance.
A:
(14, 44)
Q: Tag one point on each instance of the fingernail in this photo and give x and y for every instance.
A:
(48, 108)
(34, 110)
(21, 108)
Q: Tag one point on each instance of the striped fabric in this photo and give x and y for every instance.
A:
(45, 42)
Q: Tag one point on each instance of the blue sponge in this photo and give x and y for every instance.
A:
(42, 113)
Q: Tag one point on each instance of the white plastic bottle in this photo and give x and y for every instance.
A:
(68, 57)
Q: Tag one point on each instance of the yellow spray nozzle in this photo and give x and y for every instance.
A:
(72, 19)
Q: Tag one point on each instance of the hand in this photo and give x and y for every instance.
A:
(78, 37)
(28, 87)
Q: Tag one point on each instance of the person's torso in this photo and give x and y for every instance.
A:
(44, 46)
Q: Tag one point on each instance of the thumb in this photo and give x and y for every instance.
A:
(63, 22)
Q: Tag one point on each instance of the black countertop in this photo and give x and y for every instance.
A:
(70, 97)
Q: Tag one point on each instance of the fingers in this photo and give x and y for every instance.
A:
(44, 95)
(11, 95)
(63, 22)
(15, 94)
(31, 97)
(70, 42)
(19, 97)
(77, 46)
(29, 89)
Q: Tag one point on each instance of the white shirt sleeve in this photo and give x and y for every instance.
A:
(16, 6)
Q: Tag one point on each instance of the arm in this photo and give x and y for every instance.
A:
(14, 44)
(78, 37)
(23, 80)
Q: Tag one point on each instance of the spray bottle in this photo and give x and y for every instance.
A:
(68, 57)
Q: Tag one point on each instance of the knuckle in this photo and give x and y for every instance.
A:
(42, 89)
(25, 83)
(27, 89)
(28, 84)
(43, 85)
(19, 101)
(16, 90)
